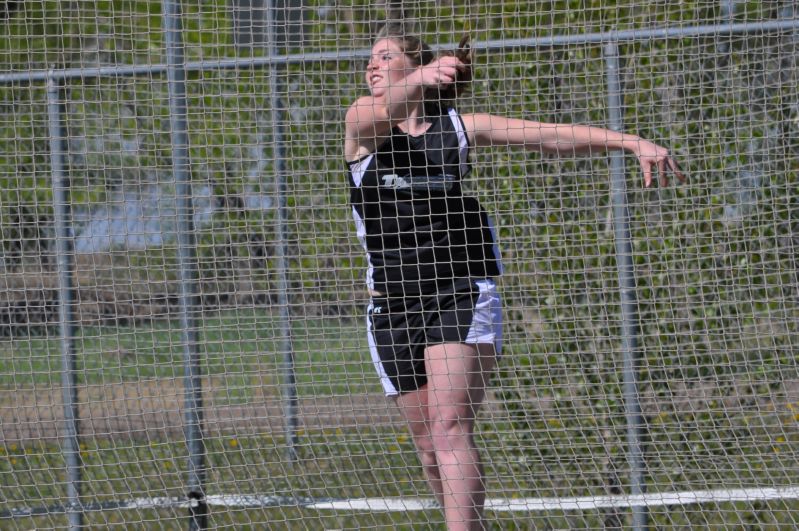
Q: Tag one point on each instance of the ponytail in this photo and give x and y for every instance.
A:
(465, 55)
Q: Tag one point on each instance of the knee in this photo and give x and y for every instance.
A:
(450, 431)
(427, 457)
(425, 448)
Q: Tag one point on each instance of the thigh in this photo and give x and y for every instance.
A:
(457, 375)
(460, 361)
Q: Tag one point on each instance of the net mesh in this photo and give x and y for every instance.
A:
(295, 431)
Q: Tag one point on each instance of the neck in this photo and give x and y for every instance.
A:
(417, 121)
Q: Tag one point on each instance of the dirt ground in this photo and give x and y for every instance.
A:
(154, 410)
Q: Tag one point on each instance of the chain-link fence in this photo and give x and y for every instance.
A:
(182, 304)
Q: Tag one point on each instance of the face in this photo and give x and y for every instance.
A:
(388, 65)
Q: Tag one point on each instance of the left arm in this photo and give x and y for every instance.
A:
(491, 130)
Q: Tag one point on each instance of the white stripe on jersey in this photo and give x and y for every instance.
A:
(463, 141)
(358, 168)
(360, 231)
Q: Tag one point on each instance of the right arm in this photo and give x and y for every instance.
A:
(369, 119)
(367, 122)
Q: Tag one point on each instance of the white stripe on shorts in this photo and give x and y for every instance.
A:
(388, 387)
(487, 318)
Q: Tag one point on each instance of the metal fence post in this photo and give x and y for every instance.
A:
(290, 406)
(187, 263)
(65, 258)
(627, 287)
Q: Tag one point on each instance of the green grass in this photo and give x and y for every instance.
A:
(241, 348)
(331, 464)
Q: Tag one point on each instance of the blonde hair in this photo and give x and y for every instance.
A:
(421, 54)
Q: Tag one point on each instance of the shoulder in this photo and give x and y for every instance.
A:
(469, 122)
(361, 101)
(358, 110)
(447, 118)
(365, 127)
(475, 122)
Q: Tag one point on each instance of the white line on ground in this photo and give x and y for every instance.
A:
(492, 504)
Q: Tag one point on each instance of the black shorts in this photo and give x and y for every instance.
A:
(401, 328)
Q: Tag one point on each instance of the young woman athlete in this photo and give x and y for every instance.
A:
(434, 322)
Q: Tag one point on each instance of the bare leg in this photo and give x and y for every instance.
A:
(441, 417)
(413, 406)
(456, 388)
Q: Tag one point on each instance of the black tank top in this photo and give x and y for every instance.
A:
(419, 231)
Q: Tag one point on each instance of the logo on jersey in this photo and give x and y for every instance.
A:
(438, 183)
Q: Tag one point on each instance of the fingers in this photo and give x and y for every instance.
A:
(444, 71)
(647, 174)
(664, 179)
(675, 168)
(448, 74)
(665, 164)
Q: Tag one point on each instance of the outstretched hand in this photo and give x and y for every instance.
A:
(652, 156)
